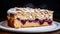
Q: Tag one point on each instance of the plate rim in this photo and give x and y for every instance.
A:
(31, 32)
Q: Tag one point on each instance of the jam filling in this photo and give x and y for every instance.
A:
(36, 20)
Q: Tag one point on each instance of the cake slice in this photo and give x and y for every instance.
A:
(29, 17)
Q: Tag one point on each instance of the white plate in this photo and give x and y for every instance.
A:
(55, 26)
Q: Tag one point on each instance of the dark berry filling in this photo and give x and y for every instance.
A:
(36, 20)
(23, 21)
(49, 21)
(41, 21)
(30, 20)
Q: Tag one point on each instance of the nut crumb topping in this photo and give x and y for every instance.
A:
(30, 13)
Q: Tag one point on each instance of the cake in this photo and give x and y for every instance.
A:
(19, 17)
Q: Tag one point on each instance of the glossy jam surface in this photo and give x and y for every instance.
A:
(36, 20)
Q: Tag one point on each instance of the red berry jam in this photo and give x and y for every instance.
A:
(23, 21)
(36, 20)
(30, 20)
(49, 22)
(41, 22)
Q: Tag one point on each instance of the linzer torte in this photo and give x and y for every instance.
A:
(29, 17)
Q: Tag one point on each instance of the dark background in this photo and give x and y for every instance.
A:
(43, 4)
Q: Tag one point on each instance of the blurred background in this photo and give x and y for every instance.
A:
(43, 4)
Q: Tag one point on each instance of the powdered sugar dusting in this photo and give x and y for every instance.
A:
(42, 10)
(27, 9)
(12, 10)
